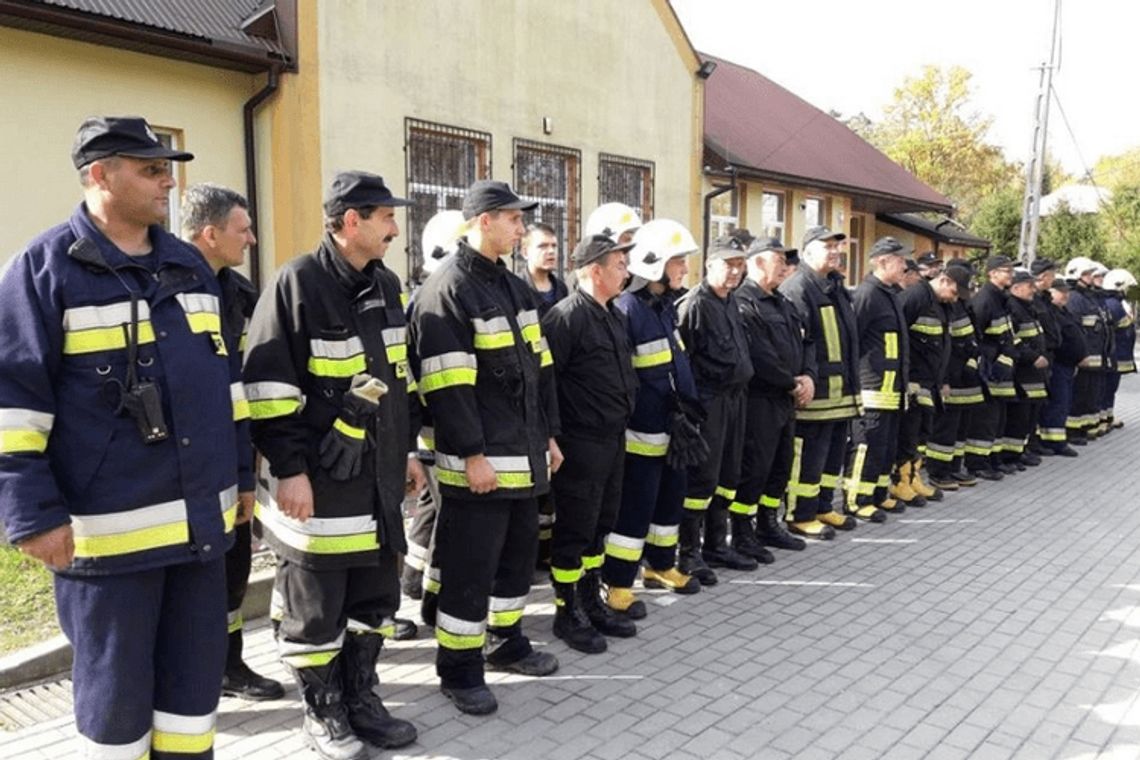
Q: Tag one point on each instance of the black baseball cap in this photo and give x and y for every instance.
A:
(821, 233)
(1060, 284)
(927, 258)
(356, 189)
(1022, 275)
(595, 247)
(792, 257)
(489, 195)
(760, 245)
(104, 136)
(1041, 266)
(998, 262)
(888, 246)
(960, 275)
(911, 265)
(731, 246)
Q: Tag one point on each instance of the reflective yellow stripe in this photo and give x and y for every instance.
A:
(322, 367)
(459, 642)
(510, 471)
(998, 326)
(494, 340)
(738, 508)
(502, 479)
(104, 339)
(652, 354)
(272, 399)
(159, 525)
(834, 389)
(662, 536)
(447, 370)
(769, 502)
(234, 621)
(132, 541)
(891, 345)
(239, 402)
(888, 380)
(504, 619)
(453, 633)
(330, 535)
(352, 432)
(726, 493)
(624, 547)
(646, 444)
(855, 486)
(565, 575)
(181, 738)
(831, 333)
(310, 659)
(261, 410)
(697, 504)
(22, 441)
(546, 358)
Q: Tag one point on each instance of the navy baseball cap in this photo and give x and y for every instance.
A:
(358, 189)
(927, 259)
(595, 247)
(489, 195)
(104, 136)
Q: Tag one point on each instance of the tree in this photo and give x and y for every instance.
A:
(998, 219)
(1065, 234)
(1121, 223)
(1118, 171)
(930, 129)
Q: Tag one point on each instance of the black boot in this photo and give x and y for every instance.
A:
(570, 621)
(716, 551)
(689, 559)
(326, 728)
(744, 540)
(600, 614)
(366, 713)
(771, 531)
(241, 682)
(428, 607)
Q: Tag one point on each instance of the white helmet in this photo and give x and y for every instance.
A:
(655, 243)
(440, 238)
(1119, 279)
(1100, 270)
(611, 220)
(1079, 266)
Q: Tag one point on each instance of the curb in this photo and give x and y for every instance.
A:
(53, 657)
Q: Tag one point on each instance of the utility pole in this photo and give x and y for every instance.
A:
(1035, 168)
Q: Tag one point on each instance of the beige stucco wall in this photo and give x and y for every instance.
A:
(49, 85)
(608, 74)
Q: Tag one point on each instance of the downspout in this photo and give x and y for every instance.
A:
(731, 188)
(248, 111)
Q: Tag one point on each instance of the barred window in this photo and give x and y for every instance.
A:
(552, 176)
(628, 181)
(172, 138)
(442, 162)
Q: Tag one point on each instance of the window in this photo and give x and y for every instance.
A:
(772, 215)
(628, 181)
(172, 138)
(723, 218)
(853, 259)
(552, 176)
(442, 162)
(813, 212)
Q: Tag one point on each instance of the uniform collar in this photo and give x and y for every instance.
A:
(167, 249)
(353, 281)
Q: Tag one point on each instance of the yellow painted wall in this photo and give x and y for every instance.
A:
(609, 74)
(49, 85)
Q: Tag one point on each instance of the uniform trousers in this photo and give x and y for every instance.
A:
(766, 463)
(947, 445)
(723, 431)
(238, 561)
(1088, 388)
(1020, 420)
(150, 649)
(818, 449)
(485, 549)
(987, 423)
(1055, 411)
(1108, 403)
(421, 532)
(587, 494)
(871, 456)
(915, 427)
(652, 496)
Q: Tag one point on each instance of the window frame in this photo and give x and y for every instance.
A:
(645, 208)
(569, 226)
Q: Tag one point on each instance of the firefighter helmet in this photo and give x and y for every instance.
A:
(1078, 267)
(611, 220)
(655, 243)
(1119, 279)
(440, 238)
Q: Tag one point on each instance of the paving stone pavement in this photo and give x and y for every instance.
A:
(1002, 623)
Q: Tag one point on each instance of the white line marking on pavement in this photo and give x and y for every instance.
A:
(838, 584)
(585, 677)
(924, 522)
(884, 540)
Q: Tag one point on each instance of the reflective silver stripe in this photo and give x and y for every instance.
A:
(493, 325)
(129, 520)
(269, 390)
(506, 604)
(277, 520)
(452, 624)
(286, 648)
(136, 750)
(527, 317)
(109, 315)
(198, 302)
(233, 616)
(336, 349)
(500, 463)
(1089, 320)
(394, 335)
(356, 625)
(627, 542)
(26, 419)
(228, 497)
(663, 530)
(450, 360)
(654, 439)
(652, 347)
(237, 393)
(183, 724)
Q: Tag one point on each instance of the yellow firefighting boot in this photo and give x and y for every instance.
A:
(623, 602)
(901, 488)
(919, 485)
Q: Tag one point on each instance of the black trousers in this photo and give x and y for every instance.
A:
(238, 561)
(766, 463)
(485, 550)
(871, 456)
(947, 444)
(812, 454)
(986, 424)
(723, 431)
(587, 494)
(1020, 421)
(421, 531)
(319, 606)
(1055, 412)
(916, 425)
(1088, 390)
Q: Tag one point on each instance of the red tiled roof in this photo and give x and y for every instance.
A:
(763, 129)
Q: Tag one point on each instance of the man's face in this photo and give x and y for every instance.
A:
(945, 289)
(774, 267)
(542, 251)
(676, 269)
(612, 274)
(1045, 280)
(1059, 297)
(1098, 280)
(502, 230)
(1002, 276)
(374, 234)
(931, 271)
(726, 273)
(1023, 290)
(233, 238)
(835, 250)
(891, 269)
(138, 188)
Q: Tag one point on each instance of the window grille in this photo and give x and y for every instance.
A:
(442, 162)
(551, 175)
(626, 180)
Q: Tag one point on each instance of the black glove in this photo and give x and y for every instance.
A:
(343, 448)
(686, 446)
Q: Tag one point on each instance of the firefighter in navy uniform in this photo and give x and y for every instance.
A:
(1045, 272)
(326, 376)
(216, 221)
(883, 376)
(989, 310)
(1088, 388)
(597, 385)
(1069, 352)
(1118, 283)
(1108, 303)
(784, 378)
(823, 304)
(118, 464)
(710, 326)
(486, 375)
(1030, 372)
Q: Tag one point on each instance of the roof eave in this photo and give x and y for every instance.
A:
(942, 237)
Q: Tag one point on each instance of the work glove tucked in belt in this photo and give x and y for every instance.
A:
(343, 448)
(687, 448)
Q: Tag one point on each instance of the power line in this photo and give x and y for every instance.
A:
(1073, 137)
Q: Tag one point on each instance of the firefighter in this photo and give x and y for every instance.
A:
(1030, 371)
(216, 221)
(1044, 271)
(486, 375)
(1069, 351)
(1118, 283)
(784, 379)
(540, 247)
(924, 305)
(614, 220)
(1088, 387)
(989, 311)
(823, 304)
(113, 351)
(597, 385)
(711, 327)
(1106, 302)
(663, 435)
(883, 376)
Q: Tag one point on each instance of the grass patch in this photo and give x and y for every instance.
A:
(27, 603)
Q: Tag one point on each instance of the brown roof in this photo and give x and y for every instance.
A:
(769, 132)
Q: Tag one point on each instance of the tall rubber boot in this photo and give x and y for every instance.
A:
(604, 619)
(689, 560)
(366, 712)
(901, 489)
(745, 542)
(570, 621)
(239, 680)
(920, 486)
(716, 551)
(771, 532)
(326, 728)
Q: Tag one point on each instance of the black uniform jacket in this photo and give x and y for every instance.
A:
(777, 343)
(593, 361)
(713, 334)
(989, 309)
(486, 373)
(1030, 346)
(1072, 348)
(883, 345)
(1086, 304)
(545, 300)
(929, 340)
(322, 322)
(962, 368)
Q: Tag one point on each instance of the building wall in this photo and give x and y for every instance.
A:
(49, 85)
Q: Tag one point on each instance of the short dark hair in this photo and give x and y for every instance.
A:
(336, 223)
(534, 227)
(207, 205)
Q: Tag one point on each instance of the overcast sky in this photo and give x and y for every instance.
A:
(850, 56)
